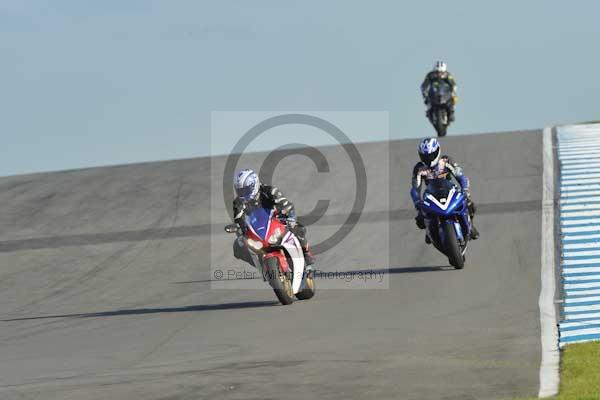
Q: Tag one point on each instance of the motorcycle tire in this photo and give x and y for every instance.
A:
(439, 125)
(453, 250)
(309, 288)
(279, 281)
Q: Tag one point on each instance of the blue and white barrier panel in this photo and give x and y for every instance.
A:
(578, 150)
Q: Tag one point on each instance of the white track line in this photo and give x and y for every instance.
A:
(549, 376)
(582, 253)
(579, 229)
(589, 331)
(581, 246)
(570, 238)
(575, 214)
(580, 323)
(571, 222)
(579, 161)
(595, 307)
(582, 300)
(583, 167)
(582, 285)
(579, 182)
(580, 200)
(567, 178)
(580, 206)
(575, 146)
(579, 189)
(577, 157)
(582, 315)
(583, 292)
(581, 279)
(581, 154)
(582, 262)
(578, 270)
(580, 170)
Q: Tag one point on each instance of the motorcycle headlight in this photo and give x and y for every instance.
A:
(276, 236)
(255, 244)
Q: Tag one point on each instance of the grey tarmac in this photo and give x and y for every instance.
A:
(107, 287)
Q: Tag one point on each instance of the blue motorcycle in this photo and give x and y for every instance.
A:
(444, 206)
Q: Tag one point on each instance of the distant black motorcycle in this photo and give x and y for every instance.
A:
(439, 97)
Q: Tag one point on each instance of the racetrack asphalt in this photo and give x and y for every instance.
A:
(107, 287)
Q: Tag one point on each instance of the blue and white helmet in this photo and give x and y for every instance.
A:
(246, 184)
(429, 151)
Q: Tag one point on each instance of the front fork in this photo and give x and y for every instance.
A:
(434, 228)
(279, 254)
(465, 223)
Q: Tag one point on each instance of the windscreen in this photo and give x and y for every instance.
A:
(258, 219)
(439, 188)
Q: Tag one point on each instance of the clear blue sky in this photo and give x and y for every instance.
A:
(86, 83)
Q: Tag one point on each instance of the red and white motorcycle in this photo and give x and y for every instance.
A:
(276, 251)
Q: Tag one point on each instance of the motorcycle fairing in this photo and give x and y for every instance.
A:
(292, 246)
(259, 221)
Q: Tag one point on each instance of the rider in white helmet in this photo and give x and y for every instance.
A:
(251, 193)
(439, 72)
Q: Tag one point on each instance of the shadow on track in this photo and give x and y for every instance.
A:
(400, 270)
(225, 306)
(86, 239)
(142, 311)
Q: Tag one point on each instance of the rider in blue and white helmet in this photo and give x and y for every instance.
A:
(434, 165)
(251, 193)
(246, 185)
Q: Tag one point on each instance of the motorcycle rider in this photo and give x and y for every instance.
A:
(251, 193)
(439, 72)
(433, 166)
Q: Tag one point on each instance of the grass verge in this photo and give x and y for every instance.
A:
(579, 372)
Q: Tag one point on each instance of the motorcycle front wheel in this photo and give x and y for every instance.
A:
(279, 281)
(453, 250)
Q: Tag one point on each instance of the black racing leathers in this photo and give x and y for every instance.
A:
(447, 77)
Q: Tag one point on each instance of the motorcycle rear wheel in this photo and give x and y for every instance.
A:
(439, 124)
(309, 289)
(279, 281)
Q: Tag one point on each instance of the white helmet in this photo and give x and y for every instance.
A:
(439, 66)
(246, 184)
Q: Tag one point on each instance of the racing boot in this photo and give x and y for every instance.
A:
(474, 232)
(472, 209)
(420, 221)
(309, 259)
